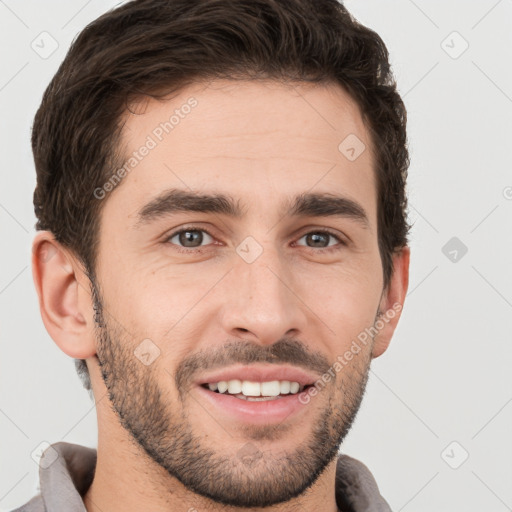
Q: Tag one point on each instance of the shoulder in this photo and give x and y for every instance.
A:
(36, 504)
(66, 471)
(356, 487)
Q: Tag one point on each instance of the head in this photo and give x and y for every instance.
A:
(216, 195)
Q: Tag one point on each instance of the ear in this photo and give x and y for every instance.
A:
(64, 295)
(392, 302)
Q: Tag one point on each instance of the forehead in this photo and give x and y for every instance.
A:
(246, 138)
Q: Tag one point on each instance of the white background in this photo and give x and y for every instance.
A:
(446, 376)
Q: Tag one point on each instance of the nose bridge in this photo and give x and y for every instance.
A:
(261, 299)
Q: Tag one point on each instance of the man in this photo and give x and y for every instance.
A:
(222, 248)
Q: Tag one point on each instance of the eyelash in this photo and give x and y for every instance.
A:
(200, 249)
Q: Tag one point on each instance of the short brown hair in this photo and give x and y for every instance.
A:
(156, 47)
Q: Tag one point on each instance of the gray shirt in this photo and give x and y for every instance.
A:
(67, 471)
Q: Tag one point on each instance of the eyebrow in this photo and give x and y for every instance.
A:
(304, 205)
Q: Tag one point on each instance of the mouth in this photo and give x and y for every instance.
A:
(257, 395)
(256, 391)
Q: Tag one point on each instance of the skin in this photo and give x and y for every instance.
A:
(262, 143)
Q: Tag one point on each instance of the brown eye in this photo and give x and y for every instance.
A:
(319, 240)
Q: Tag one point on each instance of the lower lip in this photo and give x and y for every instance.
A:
(259, 413)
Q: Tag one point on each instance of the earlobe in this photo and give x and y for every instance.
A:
(64, 301)
(392, 302)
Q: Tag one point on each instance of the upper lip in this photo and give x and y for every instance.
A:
(257, 373)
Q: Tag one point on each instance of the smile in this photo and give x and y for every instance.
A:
(256, 391)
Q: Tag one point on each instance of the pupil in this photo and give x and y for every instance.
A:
(318, 240)
(191, 238)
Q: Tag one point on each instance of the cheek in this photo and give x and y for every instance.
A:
(164, 305)
(352, 316)
(346, 302)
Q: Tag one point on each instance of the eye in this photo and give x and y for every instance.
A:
(319, 240)
(191, 238)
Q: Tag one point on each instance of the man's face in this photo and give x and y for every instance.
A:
(278, 277)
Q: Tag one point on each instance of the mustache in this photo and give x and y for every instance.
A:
(284, 351)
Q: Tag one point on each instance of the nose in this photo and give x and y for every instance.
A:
(261, 303)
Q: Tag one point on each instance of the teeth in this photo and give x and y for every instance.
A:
(251, 388)
(222, 386)
(285, 387)
(256, 398)
(294, 387)
(234, 387)
(272, 388)
(248, 388)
